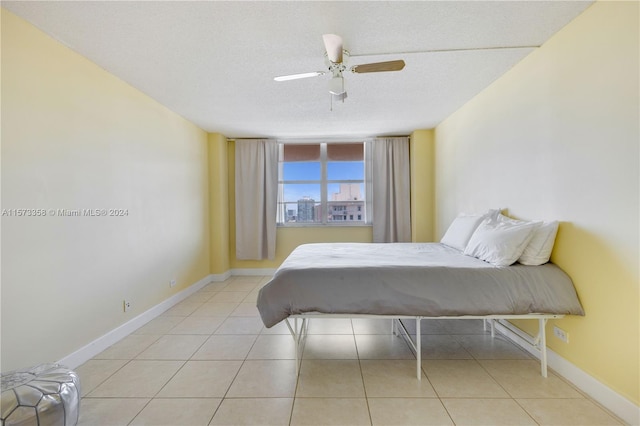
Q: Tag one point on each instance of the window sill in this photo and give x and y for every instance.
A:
(324, 225)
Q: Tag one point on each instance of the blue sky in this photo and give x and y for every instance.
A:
(335, 170)
(311, 171)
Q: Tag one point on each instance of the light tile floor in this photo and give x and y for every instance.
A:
(209, 361)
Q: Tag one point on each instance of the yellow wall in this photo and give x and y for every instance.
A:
(219, 203)
(557, 137)
(76, 137)
(422, 157)
(287, 239)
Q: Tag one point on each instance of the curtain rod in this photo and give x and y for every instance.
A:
(319, 140)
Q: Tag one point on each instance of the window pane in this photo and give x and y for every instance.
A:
(301, 212)
(301, 171)
(346, 211)
(345, 170)
(345, 191)
(315, 188)
(293, 192)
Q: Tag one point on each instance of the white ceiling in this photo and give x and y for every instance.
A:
(213, 62)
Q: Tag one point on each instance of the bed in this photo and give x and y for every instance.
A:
(411, 281)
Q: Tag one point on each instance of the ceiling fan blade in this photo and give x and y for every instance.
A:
(379, 66)
(299, 76)
(333, 46)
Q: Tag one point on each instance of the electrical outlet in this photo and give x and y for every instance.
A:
(561, 334)
(126, 304)
(172, 282)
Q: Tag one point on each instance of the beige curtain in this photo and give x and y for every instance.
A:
(256, 196)
(390, 179)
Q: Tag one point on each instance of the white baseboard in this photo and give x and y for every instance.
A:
(220, 277)
(250, 271)
(619, 405)
(242, 272)
(87, 352)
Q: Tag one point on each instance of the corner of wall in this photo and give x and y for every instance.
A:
(421, 151)
(218, 203)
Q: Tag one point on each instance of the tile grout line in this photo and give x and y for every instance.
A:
(364, 387)
(235, 376)
(128, 361)
(426, 377)
(174, 374)
(511, 397)
(184, 363)
(299, 369)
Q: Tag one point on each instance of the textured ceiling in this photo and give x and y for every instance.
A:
(213, 62)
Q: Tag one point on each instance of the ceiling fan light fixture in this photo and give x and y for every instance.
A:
(336, 98)
(341, 97)
(336, 85)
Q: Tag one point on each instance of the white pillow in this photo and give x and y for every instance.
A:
(539, 249)
(500, 242)
(462, 228)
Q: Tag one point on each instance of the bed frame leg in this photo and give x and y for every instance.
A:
(543, 346)
(418, 349)
(493, 328)
(297, 334)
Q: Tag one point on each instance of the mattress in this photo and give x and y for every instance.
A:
(410, 279)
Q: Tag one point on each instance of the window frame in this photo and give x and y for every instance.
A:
(324, 183)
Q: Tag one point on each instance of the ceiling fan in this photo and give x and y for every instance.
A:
(336, 58)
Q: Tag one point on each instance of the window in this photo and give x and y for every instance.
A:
(321, 183)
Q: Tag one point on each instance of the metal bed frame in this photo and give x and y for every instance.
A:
(299, 330)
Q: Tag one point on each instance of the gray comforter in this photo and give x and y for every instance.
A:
(413, 279)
